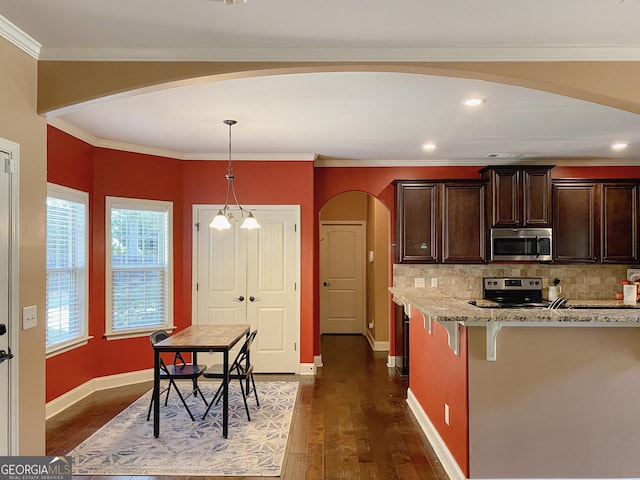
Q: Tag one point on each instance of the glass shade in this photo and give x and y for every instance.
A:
(220, 222)
(250, 222)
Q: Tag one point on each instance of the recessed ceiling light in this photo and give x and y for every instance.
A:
(429, 147)
(473, 102)
(619, 146)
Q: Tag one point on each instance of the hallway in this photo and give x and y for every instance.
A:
(351, 420)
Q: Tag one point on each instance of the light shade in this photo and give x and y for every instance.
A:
(250, 222)
(220, 222)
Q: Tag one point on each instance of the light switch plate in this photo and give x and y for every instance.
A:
(419, 282)
(29, 317)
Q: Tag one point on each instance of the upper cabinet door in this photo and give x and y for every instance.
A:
(519, 196)
(506, 197)
(619, 213)
(417, 222)
(536, 197)
(576, 222)
(463, 223)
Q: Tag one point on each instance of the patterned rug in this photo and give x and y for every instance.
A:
(126, 446)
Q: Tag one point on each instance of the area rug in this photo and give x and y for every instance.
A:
(126, 446)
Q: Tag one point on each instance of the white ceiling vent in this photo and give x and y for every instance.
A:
(503, 155)
(230, 2)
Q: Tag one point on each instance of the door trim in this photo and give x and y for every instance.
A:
(196, 208)
(13, 149)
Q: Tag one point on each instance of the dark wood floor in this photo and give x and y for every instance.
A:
(351, 420)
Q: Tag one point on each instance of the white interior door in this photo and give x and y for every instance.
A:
(222, 273)
(251, 276)
(342, 278)
(8, 282)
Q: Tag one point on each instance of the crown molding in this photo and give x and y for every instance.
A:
(557, 53)
(19, 38)
(94, 141)
(239, 157)
(477, 162)
(102, 143)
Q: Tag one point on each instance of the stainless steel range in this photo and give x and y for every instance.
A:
(514, 292)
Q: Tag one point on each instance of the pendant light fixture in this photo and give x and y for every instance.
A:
(222, 221)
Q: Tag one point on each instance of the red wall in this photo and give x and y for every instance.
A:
(104, 172)
(438, 376)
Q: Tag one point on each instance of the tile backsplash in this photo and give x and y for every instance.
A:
(578, 282)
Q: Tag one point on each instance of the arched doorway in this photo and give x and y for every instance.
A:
(356, 218)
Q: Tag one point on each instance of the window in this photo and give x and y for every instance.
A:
(139, 276)
(67, 267)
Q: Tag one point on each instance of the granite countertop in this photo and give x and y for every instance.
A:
(443, 308)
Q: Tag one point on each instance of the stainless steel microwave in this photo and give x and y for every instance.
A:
(521, 244)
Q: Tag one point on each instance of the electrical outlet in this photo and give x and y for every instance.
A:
(370, 324)
(419, 282)
(29, 317)
(434, 282)
(446, 413)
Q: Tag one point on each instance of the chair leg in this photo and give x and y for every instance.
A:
(244, 399)
(214, 400)
(151, 404)
(255, 392)
(166, 399)
(196, 391)
(182, 399)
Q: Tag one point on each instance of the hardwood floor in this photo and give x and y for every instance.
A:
(351, 420)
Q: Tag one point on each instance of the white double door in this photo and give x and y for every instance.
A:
(251, 277)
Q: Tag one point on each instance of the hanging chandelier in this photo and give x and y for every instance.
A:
(222, 221)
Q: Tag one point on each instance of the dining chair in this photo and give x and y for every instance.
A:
(178, 370)
(240, 369)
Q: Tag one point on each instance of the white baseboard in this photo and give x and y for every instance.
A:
(95, 384)
(440, 448)
(391, 361)
(376, 346)
(307, 369)
(120, 380)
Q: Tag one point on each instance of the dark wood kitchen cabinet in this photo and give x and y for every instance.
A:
(619, 223)
(463, 223)
(575, 222)
(417, 222)
(595, 221)
(519, 196)
(440, 222)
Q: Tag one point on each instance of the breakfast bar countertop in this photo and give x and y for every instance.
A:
(443, 308)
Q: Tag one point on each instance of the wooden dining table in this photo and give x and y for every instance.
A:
(194, 339)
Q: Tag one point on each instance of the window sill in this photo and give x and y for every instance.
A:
(136, 333)
(66, 347)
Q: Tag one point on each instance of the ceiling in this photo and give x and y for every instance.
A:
(350, 118)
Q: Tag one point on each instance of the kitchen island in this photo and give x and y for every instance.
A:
(556, 402)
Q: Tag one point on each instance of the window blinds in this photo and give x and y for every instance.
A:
(66, 270)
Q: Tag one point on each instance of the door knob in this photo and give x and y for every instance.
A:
(253, 299)
(3, 329)
(5, 356)
(239, 299)
(325, 284)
